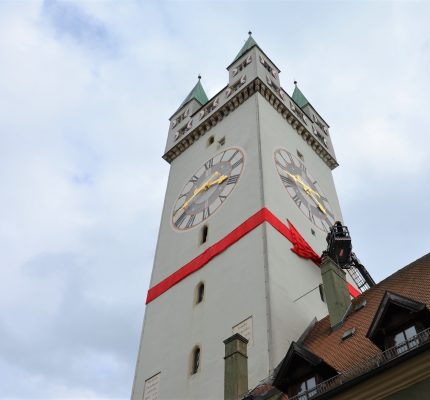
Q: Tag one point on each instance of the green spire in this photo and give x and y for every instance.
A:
(299, 97)
(197, 93)
(248, 45)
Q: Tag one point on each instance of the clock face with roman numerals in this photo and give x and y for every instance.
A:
(304, 190)
(208, 189)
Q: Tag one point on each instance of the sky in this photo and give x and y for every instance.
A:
(86, 90)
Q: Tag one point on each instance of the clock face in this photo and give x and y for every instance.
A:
(304, 190)
(207, 189)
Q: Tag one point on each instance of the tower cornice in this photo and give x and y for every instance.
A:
(215, 110)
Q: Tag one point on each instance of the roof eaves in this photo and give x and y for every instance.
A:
(395, 299)
(303, 353)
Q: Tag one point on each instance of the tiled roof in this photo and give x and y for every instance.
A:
(412, 281)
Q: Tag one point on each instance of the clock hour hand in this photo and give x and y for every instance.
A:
(218, 181)
(202, 188)
(319, 205)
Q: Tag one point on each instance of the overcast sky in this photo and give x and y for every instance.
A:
(86, 90)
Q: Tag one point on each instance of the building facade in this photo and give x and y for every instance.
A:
(249, 201)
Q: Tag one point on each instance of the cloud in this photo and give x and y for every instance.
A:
(69, 20)
(86, 91)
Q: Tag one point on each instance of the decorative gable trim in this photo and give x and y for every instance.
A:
(389, 300)
(285, 374)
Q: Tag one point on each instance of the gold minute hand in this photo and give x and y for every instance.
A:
(308, 190)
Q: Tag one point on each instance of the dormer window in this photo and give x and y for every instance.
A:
(397, 324)
(300, 372)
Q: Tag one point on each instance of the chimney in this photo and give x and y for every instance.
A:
(235, 367)
(336, 291)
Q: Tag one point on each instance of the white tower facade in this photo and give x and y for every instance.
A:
(250, 181)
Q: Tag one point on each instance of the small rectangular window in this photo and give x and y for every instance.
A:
(300, 155)
(348, 333)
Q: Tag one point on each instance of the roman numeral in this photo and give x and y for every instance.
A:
(232, 179)
(206, 213)
(237, 163)
(222, 198)
(280, 164)
(234, 155)
(194, 179)
(287, 180)
(290, 157)
(297, 200)
(209, 164)
(325, 225)
(180, 220)
(190, 221)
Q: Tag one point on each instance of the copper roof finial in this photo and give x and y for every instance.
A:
(295, 82)
(200, 77)
(249, 33)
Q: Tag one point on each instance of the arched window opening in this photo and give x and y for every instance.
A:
(195, 360)
(211, 140)
(200, 292)
(204, 234)
(322, 295)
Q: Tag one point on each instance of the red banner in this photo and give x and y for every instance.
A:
(300, 247)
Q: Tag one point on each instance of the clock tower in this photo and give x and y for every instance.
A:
(249, 201)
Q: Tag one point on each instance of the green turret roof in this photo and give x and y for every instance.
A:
(197, 93)
(299, 97)
(248, 45)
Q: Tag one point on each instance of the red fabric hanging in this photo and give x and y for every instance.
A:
(300, 247)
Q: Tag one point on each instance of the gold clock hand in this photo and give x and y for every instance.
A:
(311, 192)
(308, 190)
(199, 190)
(218, 181)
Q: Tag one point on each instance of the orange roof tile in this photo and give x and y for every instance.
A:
(412, 281)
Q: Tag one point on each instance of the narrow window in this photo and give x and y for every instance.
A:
(300, 155)
(200, 292)
(321, 289)
(313, 232)
(210, 140)
(204, 234)
(221, 142)
(195, 360)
